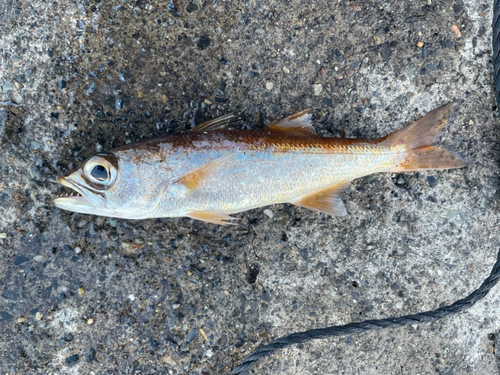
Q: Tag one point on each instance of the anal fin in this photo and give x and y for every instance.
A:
(193, 179)
(327, 201)
(212, 217)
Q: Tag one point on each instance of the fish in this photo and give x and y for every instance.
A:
(214, 171)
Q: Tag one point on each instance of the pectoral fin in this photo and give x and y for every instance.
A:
(193, 179)
(327, 201)
(212, 217)
(216, 123)
(298, 123)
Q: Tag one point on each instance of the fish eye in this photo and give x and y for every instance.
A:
(100, 172)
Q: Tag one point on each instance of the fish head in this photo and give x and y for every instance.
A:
(102, 186)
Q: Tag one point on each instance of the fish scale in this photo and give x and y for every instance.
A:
(283, 177)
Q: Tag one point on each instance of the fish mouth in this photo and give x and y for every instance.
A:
(74, 200)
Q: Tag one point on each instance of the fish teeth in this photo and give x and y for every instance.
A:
(69, 195)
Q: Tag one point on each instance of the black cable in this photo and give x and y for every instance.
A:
(496, 49)
(372, 325)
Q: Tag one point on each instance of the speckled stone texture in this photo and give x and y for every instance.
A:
(89, 295)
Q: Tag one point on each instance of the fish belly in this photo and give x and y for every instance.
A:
(255, 179)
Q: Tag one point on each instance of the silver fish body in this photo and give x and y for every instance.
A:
(210, 173)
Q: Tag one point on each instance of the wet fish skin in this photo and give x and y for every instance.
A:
(212, 172)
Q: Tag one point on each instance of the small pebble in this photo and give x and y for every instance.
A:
(203, 42)
(269, 213)
(38, 258)
(432, 181)
(131, 297)
(286, 70)
(269, 85)
(202, 332)
(71, 360)
(317, 88)
(90, 321)
(91, 88)
(130, 248)
(164, 99)
(3, 235)
(34, 145)
(38, 316)
(420, 44)
(168, 359)
(425, 53)
(376, 39)
(21, 319)
(113, 222)
(208, 102)
(456, 30)
(140, 94)
(81, 290)
(7, 86)
(78, 250)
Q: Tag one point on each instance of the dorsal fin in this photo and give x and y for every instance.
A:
(298, 123)
(327, 200)
(216, 123)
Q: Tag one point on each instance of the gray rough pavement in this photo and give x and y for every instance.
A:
(89, 295)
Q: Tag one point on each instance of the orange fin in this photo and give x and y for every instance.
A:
(212, 217)
(327, 201)
(430, 157)
(425, 130)
(298, 123)
(216, 123)
(193, 179)
(418, 137)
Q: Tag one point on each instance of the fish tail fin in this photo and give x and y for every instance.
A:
(418, 138)
(430, 157)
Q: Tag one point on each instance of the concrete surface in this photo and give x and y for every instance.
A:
(89, 295)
